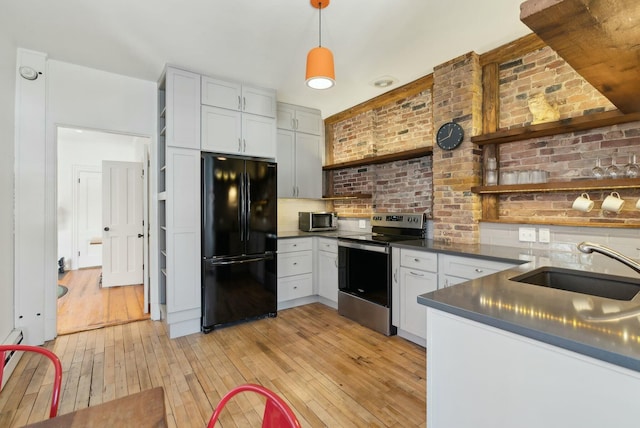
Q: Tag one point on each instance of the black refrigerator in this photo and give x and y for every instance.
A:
(239, 239)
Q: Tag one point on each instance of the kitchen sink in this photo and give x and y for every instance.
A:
(593, 284)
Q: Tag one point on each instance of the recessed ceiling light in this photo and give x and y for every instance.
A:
(28, 73)
(384, 82)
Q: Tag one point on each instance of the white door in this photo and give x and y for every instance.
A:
(145, 239)
(123, 233)
(89, 217)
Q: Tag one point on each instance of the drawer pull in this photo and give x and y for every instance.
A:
(295, 287)
(479, 270)
(416, 260)
(295, 263)
(416, 274)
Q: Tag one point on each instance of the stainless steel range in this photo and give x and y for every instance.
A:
(364, 268)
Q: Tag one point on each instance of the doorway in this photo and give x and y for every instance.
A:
(83, 303)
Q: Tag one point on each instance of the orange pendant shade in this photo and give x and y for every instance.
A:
(320, 70)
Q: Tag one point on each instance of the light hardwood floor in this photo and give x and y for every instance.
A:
(87, 305)
(332, 371)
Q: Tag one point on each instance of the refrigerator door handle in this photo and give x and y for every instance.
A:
(238, 260)
(241, 212)
(248, 210)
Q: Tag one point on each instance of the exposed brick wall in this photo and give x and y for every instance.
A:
(457, 96)
(567, 157)
(404, 125)
(543, 71)
(354, 138)
(395, 186)
(405, 186)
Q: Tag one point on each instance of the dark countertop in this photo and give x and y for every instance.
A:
(328, 234)
(552, 316)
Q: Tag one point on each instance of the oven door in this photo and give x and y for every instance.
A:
(364, 271)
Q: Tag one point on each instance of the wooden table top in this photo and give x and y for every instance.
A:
(143, 409)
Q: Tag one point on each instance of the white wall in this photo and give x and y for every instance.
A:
(288, 211)
(85, 148)
(85, 98)
(7, 108)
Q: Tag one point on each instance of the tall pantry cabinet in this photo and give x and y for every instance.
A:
(179, 200)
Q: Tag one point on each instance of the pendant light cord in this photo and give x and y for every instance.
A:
(320, 24)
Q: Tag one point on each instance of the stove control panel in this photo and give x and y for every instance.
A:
(403, 220)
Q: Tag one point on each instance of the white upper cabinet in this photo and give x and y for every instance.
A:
(300, 152)
(300, 119)
(238, 119)
(235, 96)
(299, 165)
(182, 96)
(233, 132)
(259, 136)
(221, 130)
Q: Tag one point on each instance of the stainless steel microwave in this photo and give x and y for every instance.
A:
(317, 221)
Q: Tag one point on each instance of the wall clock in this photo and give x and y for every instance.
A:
(449, 136)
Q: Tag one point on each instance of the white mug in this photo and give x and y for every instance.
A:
(583, 203)
(613, 203)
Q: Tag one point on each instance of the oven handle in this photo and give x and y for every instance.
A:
(377, 248)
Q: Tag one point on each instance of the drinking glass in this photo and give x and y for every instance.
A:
(632, 170)
(612, 171)
(597, 171)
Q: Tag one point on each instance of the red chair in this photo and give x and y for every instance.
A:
(57, 381)
(277, 413)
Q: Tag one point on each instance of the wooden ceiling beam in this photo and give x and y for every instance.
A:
(599, 39)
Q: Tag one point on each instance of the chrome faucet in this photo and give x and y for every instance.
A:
(589, 247)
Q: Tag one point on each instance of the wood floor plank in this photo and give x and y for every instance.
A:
(87, 306)
(332, 371)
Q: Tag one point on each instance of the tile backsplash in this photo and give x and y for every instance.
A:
(564, 238)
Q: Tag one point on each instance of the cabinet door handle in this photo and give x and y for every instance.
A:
(416, 274)
(295, 263)
(239, 145)
(416, 260)
(244, 103)
(239, 103)
(245, 144)
(395, 275)
(335, 262)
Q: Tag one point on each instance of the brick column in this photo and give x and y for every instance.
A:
(457, 97)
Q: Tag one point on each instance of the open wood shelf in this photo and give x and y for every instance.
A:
(564, 186)
(564, 126)
(347, 196)
(586, 223)
(408, 154)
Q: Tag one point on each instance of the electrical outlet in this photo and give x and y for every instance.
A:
(544, 236)
(362, 224)
(527, 234)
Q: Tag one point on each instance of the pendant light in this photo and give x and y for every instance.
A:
(320, 71)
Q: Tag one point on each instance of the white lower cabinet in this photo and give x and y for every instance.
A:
(453, 270)
(418, 274)
(327, 276)
(502, 379)
(295, 270)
